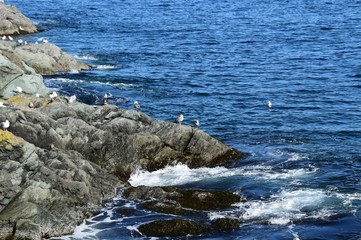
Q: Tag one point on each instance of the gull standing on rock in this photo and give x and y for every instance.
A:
(52, 96)
(10, 38)
(136, 105)
(106, 98)
(71, 99)
(2, 104)
(3, 38)
(196, 123)
(18, 89)
(5, 125)
(180, 118)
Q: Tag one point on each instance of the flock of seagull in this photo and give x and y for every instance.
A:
(72, 99)
(22, 42)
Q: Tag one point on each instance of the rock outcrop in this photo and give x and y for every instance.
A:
(51, 156)
(21, 66)
(47, 192)
(14, 22)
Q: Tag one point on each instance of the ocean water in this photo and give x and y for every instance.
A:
(221, 62)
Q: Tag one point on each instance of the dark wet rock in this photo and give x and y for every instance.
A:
(13, 22)
(173, 228)
(181, 199)
(169, 207)
(226, 223)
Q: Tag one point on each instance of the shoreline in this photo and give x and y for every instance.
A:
(62, 157)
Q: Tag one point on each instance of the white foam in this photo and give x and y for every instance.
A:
(175, 175)
(181, 174)
(282, 208)
(105, 67)
(86, 57)
(68, 80)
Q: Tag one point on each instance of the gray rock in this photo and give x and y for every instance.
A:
(47, 193)
(13, 22)
(21, 66)
(13, 76)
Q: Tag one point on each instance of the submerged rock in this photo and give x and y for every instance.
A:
(13, 22)
(183, 198)
(224, 224)
(173, 228)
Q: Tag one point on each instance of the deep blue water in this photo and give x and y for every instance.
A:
(220, 62)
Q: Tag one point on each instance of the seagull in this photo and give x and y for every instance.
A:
(3, 38)
(106, 98)
(196, 123)
(10, 38)
(180, 119)
(136, 105)
(18, 89)
(2, 104)
(45, 40)
(20, 41)
(52, 96)
(5, 125)
(269, 104)
(21, 28)
(31, 105)
(71, 99)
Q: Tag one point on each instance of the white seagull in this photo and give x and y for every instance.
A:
(269, 104)
(10, 38)
(2, 104)
(18, 89)
(180, 118)
(196, 123)
(3, 38)
(106, 98)
(5, 125)
(71, 99)
(52, 96)
(136, 105)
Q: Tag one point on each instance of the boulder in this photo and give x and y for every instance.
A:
(13, 22)
(14, 76)
(47, 193)
(21, 66)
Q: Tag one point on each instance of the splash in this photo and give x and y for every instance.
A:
(181, 174)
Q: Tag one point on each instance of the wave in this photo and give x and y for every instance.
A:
(284, 208)
(181, 174)
(69, 80)
(86, 57)
(104, 67)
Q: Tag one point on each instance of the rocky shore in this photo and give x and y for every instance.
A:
(61, 160)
